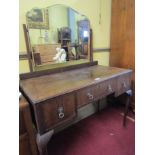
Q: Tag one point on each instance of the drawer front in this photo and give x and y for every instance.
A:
(87, 95)
(96, 92)
(123, 84)
(55, 112)
(107, 87)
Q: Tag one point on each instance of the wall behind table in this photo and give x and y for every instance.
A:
(90, 8)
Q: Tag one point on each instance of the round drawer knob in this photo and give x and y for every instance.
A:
(90, 96)
(61, 112)
(61, 115)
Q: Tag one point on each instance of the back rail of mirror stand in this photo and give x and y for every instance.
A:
(56, 70)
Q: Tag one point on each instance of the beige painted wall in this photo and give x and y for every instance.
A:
(90, 8)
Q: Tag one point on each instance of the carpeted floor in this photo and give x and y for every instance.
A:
(99, 134)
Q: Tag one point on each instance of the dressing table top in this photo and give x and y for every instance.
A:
(48, 86)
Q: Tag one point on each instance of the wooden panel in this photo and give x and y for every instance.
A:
(46, 87)
(122, 44)
(24, 145)
(28, 46)
(93, 93)
(87, 95)
(107, 87)
(27, 143)
(123, 34)
(22, 128)
(56, 70)
(48, 115)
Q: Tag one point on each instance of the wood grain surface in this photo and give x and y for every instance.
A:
(45, 87)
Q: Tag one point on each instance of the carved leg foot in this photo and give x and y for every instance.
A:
(128, 101)
(42, 141)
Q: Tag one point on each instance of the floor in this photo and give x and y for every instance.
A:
(99, 134)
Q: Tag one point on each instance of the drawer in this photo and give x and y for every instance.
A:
(123, 84)
(55, 112)
(107, 87)
(87, 95)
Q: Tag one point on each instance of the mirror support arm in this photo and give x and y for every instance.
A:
(28, 48)
(91, 45)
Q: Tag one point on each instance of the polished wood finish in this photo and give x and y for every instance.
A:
(27, 141)
(39, 89)
(56, 70)
(123, 34)
(28, 47)
(122, 53)
(48, 115)
(56, 97)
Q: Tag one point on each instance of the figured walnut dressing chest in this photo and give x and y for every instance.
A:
(55, 97)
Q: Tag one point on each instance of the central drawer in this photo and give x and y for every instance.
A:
(95, 92)
(55, 112)
(108, 87)
(87, 95)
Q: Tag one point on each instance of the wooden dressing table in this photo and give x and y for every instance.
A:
(56, 95)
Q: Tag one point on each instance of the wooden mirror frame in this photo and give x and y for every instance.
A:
(29, 48)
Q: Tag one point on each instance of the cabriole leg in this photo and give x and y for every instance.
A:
(42, 141)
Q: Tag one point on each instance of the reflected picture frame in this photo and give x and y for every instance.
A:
(37, 19)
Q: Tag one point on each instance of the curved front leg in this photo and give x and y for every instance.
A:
(42, 141)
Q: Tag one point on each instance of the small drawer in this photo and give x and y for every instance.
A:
(123, 84)
(55, 112)
(107, 87)
(87, 95)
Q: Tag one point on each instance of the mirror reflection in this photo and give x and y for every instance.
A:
(58, 34)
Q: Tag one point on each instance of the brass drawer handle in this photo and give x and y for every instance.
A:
(110, 88)
(61, 112)
(90, 96)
